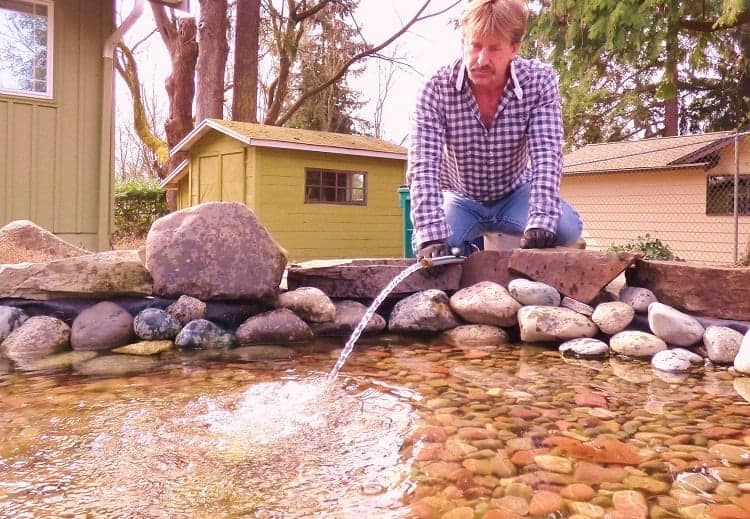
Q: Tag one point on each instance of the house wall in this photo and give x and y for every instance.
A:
(669, 205)
(320, 231)
(50, 149)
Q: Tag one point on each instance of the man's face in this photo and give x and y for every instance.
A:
(487, 59)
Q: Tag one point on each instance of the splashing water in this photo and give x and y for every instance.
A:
(443, 260)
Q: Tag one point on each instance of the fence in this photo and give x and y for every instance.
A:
(701, 214)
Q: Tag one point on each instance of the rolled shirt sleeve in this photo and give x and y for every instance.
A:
(545, 150)
(425, 165)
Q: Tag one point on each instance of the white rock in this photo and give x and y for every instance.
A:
(722, 343)
(553, 323)
(670, 360)
(310, 303)
(486, 302)
(742, 386)
(691, 356)
(613, 317)
(529, 292)
(585, 347)
(742, 360)
(673, 326)
(638, 298)
(635, 343)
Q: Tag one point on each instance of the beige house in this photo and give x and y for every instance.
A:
(677, 189)
(56, 114)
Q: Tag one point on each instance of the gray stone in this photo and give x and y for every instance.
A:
(475, 334)
(722, 344)
(37, 337)
(486, 302)
(100, 276)
(613, 317)
(154, 324)
(280, 326)
(204, 334)
(553, 323)
(10, 319)
(102, 327)
(215, 250)
(310, 303)
(634, 343)
(585, 347)
(423, 312)
(637, 297)
(673, 326)
(187, 309)
(529, 292)
(348, 315)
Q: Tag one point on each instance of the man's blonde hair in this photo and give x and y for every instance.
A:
(503, 18)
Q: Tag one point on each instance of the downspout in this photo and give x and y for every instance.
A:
(106, 153)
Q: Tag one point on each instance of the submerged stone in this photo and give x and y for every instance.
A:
(57, 362)
(145, 348)
(116, 365)
(475, 334)
(348, 315)
(585, 347)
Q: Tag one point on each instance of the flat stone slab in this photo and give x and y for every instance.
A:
(487, 265)
(579, 274)
(366, 278)
(710, 291)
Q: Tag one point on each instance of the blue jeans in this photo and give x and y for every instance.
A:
(469, 219)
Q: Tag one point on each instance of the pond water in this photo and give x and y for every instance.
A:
(406, 430)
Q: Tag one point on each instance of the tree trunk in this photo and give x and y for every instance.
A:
(672, 103)
(212, 59)
(179, 38)
(245, 94)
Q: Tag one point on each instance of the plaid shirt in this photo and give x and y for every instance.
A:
(451, 149)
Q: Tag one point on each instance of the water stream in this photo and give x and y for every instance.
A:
(443, 260)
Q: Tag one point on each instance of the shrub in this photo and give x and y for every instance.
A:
(138, 202)
(648, 247)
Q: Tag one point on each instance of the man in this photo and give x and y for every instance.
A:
(486, 142)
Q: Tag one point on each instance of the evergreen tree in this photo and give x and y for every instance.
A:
(628, 66)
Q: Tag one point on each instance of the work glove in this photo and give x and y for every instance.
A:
(433, 249)
(537, 239)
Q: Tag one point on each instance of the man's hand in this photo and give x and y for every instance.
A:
(432, 249)
(538, 239)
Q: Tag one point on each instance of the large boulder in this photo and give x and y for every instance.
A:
(697, 289)
(102, 276)
(579, 274)
(25, 241)
(215, 250)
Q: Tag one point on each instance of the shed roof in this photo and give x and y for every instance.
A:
(293, 138)
(689, 151)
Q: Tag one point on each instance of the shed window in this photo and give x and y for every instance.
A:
(328, 186)
(26, 47)
(720, 195)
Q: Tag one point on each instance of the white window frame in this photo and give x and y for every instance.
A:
(49, 94)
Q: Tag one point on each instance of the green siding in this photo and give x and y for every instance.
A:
(50, 149)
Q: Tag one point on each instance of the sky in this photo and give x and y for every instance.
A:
(428, 45)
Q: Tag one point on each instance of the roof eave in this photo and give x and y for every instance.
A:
(695, 165)
(176, 175)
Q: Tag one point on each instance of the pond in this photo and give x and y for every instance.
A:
(406, 430)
